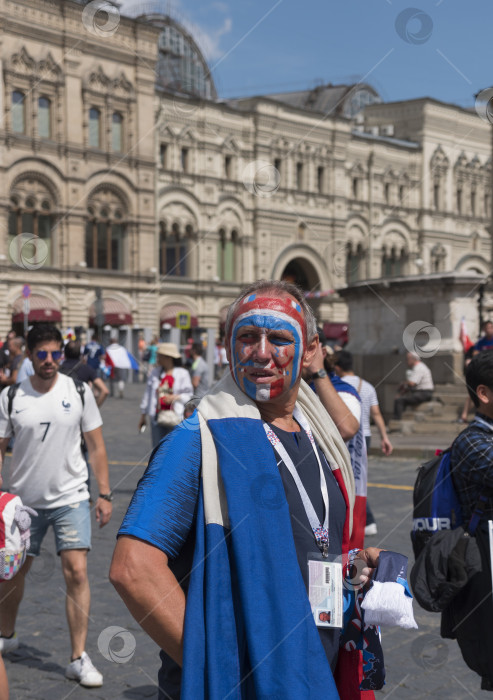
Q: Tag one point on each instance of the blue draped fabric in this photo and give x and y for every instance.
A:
(249, 630)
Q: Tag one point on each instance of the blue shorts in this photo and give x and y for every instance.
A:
(71, 524)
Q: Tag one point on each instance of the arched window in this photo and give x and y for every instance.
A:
(393, 261)
(31, 210)
(354, 263)
(94, 128)
(117, 132)
(226, 255)
(173, 249)
(44, 118)
(105, 232)
(18, 112)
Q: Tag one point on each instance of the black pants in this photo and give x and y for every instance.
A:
(413, 398)
(370, 518)
(469, 617)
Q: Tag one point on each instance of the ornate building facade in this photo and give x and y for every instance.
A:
(268, 187)
(77, 204)
(117, 156)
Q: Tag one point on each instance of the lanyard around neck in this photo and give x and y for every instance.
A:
(320, 531)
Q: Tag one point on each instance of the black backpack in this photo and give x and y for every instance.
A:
(436, 505)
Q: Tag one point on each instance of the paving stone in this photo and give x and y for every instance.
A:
(420, 665)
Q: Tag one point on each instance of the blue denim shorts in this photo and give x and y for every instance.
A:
(71, 525)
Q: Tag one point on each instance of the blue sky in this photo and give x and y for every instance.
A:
(441, 49)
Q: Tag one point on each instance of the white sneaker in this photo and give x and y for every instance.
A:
(8, 644)
(82, 670)
(371, 529)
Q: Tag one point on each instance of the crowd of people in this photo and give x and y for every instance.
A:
(272, 449)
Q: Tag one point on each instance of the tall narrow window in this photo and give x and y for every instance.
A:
(44, 118)
(117, 133)
(173, 251)
(356, 187)
(184, 160)
(18, 112)
(436, 195)
(402, 194)
(227, 167)
(459, 200)
(226, 255)
(299, 176)
(163, 155)
(320, 179)
(486, 204)
(278, 165)
(105, 233)
(94, 128)
(473, 202)
(386, 193)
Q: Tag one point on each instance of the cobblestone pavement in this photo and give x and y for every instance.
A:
(419, 663)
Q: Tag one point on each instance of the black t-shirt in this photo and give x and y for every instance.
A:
(298, 447)
(75, 368)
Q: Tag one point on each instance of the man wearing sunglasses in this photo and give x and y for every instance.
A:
(47, 417)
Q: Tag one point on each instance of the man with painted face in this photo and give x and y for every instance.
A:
(238, 507)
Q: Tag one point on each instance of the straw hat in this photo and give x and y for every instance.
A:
(168, 349)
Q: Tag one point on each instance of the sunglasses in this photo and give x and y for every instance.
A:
(43, 354)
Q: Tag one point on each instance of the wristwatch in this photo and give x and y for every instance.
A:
(320, 374)
(106, 496)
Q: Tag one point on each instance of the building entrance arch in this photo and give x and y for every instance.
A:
(301, 272)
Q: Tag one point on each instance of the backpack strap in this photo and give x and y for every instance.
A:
(80, 389)
(477, 514)
(11, 396)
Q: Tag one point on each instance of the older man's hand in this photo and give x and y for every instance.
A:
(370, 556)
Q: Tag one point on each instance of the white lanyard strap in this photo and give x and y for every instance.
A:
(321, 532)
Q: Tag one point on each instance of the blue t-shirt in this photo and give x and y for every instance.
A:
(94, 352)
(163, 508)
(484, 343)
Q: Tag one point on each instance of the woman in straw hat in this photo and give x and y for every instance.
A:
(168, 389)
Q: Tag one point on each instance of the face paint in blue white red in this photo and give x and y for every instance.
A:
(267, 342)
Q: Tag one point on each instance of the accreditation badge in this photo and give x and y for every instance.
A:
(325, 590)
